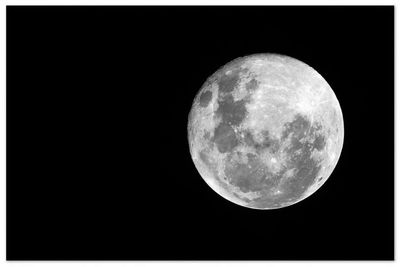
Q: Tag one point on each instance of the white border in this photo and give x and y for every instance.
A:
(194, 2)
(165, 2)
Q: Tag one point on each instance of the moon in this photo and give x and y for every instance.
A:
(265, 131)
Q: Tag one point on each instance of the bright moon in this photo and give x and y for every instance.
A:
(265, 131)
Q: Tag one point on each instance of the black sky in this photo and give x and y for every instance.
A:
(98, 163)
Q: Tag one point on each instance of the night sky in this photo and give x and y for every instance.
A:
(98, 161)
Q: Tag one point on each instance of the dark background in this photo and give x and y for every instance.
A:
(98, 162)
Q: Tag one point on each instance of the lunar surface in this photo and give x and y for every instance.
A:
(265, 131)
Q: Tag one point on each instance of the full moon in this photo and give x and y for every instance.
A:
(265, 131)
